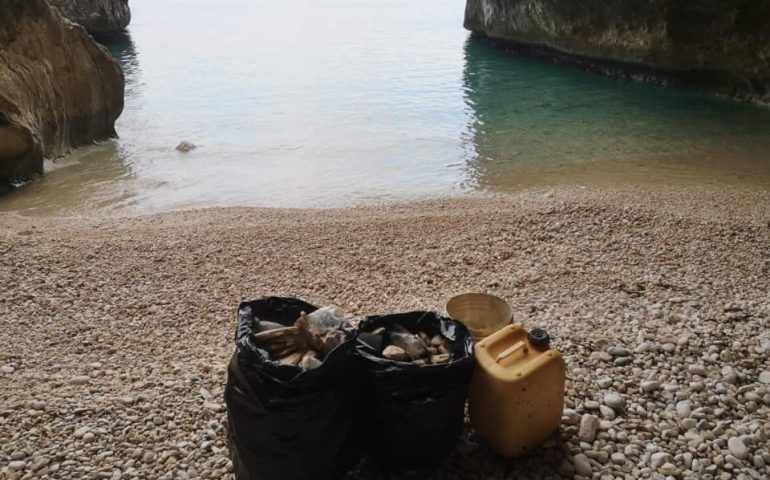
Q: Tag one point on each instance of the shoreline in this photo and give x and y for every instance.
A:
(714, 201)
(119, 330)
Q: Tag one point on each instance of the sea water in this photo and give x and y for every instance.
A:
(329, 103)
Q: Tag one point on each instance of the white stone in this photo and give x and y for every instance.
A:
(214, 406)
(17, 465)
(764, 377)
(683, 408)
(738, 448)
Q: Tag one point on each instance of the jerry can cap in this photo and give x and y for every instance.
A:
(539, 338)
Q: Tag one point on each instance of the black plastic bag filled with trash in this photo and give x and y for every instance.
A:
(411, 406)
(287, 422)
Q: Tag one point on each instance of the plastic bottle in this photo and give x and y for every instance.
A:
(516, 398)
(330, 317)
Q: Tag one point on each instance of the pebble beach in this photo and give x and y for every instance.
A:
(116, 332)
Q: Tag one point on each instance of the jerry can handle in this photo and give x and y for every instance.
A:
(511, 350)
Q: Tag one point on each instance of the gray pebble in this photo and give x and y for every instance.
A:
(589, 425)
(657, 459)
(669, 469)
(614, 401)
(582, 465)
(649, 386)
(619, 351)
(623, 361)
(738, 448)
(683, 408)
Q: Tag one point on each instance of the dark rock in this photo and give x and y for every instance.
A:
(99, 17)
(59, 89)
(708, 45)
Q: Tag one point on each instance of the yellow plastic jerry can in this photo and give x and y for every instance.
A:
(516, 398)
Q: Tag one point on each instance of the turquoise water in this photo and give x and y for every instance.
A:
(328, 103)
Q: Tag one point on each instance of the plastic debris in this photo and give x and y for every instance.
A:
(413, 407)
(398, 343)
(303, 344)
(327, 318)
(287, 421)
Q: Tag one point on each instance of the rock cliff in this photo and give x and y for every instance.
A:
(99, 17)
(58, 88)
(712, 45)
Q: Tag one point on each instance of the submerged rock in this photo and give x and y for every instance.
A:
(99, 17)
(185, 147)
(58, 88)
(719, 47)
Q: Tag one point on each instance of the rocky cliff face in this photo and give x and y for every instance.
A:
(714, 45)
(99, 17)
(58, 88)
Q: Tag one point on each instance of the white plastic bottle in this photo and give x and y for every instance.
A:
(330, 317)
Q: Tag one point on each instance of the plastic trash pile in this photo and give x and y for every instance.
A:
(309, 395)
(399, 344)
(304, 344)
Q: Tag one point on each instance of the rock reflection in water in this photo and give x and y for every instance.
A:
(90, 178)
(535, 123)
(123, 49)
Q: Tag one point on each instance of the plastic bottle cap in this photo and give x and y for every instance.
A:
(539, 338)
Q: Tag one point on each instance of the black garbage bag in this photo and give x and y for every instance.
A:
(285, 423)
(410, 415)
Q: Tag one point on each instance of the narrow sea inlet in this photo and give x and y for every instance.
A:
(335, 103)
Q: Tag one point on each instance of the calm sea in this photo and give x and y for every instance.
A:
(328, 103)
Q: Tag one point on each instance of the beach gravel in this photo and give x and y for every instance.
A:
(116, 332)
